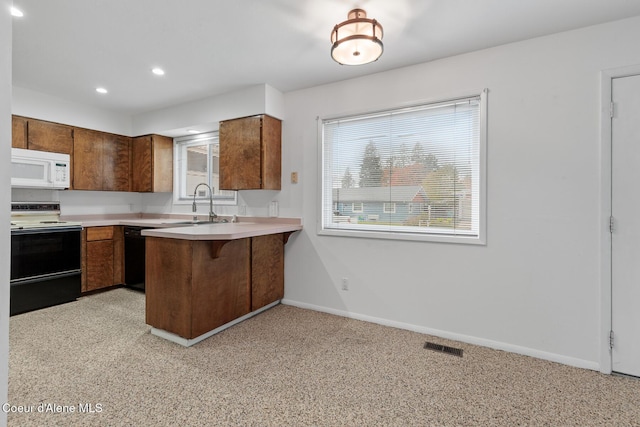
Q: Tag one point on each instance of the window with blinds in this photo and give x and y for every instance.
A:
(410, 173)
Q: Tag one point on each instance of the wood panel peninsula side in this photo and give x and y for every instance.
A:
(203, 279)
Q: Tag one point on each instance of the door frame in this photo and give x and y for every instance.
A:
(606, 79)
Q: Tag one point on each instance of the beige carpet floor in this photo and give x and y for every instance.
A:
(285, 367)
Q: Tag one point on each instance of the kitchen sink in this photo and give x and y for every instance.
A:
(196, 222)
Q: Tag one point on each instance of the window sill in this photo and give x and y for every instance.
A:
(408, 236)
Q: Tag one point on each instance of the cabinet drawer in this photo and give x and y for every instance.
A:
(99, 233)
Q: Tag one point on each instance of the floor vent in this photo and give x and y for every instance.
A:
(443, 348)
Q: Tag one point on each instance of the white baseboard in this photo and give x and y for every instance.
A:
(185, 342)
(553, 357)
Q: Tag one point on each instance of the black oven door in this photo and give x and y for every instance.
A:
(45, 267)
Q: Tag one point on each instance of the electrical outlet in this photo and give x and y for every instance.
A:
(345, 284)
(294, 177)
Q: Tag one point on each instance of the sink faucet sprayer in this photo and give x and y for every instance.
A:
(212, 214)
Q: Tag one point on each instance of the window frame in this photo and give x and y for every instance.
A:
(353, 207)
(400, 233)
(191, 140)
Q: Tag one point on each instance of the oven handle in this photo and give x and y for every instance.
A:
(43, 230)
(42, 277)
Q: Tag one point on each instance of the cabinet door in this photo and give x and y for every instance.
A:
(118, 255)
(267, 270)
(47, 136)
(271, 153)
(141, 161)
(99, 264)
(116, 162)
(162, 164)
(87, 160)
(240, 154)
(152, 164)
(18, 132)
(250, 153)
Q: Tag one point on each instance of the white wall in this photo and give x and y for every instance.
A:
(207, 112)
(5, 182)
(41, 106)
(534, 288)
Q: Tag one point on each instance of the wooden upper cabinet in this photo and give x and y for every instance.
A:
(250, 153)
(152, 164)
(18, 132)
(41, 135)
(47, 136)
(87, 160)
(101, 161)
(116, 162)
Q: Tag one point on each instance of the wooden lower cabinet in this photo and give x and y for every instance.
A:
(267, 270)
(103, 257)
(195, 286)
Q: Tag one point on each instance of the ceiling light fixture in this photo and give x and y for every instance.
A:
(16, 12)
(158, 71)
(356, 41)
(101, 90)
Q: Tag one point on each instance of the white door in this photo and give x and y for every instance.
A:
(625, 238)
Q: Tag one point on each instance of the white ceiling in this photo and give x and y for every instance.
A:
(67, 48)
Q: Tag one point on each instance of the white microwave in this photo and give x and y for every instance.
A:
(39, 169)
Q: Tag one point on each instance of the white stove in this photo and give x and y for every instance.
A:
(46, 267)
(29, 215)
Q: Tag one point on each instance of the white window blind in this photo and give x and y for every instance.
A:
(415, 171)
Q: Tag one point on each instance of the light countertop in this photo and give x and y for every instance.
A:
(167, 225)
(222, 231)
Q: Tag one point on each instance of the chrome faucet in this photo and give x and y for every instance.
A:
(212, 214)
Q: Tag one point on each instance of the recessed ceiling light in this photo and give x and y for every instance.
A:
(101, 90)
(158, 71)
(192, 131)
(16, 12)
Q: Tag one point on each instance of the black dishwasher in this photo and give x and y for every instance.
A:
(134, 257)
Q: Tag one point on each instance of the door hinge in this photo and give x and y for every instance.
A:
(610, 339)
(611, 224)
(611, 109)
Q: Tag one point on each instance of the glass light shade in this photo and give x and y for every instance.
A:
(358, 40)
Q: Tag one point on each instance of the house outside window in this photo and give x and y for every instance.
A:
(197, 160)
(414, 173)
